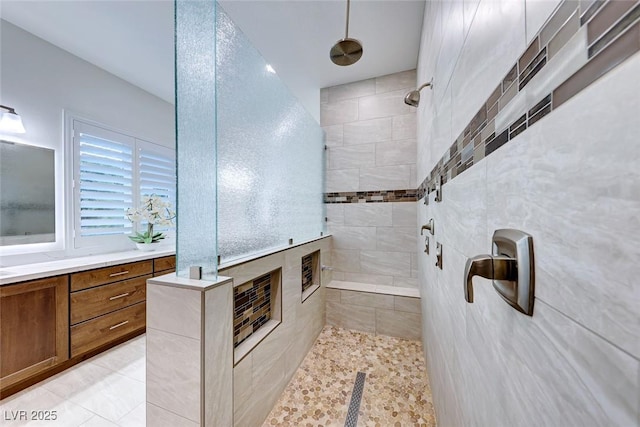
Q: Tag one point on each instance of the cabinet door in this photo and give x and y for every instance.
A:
(35, 327)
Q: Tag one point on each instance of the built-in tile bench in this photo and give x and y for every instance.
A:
(378, 309)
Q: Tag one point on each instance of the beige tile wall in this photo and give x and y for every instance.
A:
(371, 140)
(189, 354)
(571, 181)
(261, 376)
(376, 313)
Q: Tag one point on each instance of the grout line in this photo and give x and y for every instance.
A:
(589, 329)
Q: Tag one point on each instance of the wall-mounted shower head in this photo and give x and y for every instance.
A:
(413, 97)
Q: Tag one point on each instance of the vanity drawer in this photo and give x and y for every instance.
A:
(104, 329)
(102, 276)
(104, 299)
(160, 265)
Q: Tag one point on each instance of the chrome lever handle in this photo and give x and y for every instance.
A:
(490, 267)
(511, 268)
(428, 226)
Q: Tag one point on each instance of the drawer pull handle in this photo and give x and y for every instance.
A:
(118, 325)
(118, 274)
(119, 296)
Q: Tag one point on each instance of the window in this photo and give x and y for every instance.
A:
(112, 171)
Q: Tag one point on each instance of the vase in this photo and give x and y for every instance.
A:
(146, 247)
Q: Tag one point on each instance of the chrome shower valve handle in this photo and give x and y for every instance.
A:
(489, 267)
(428, 227)
(510, 267)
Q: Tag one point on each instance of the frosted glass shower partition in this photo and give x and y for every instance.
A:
(250, 157)
(196, 137)
(270, 153)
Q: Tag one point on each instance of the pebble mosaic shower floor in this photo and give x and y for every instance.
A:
(396, 390)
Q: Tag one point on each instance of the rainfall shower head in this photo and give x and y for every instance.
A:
(346, 51)
(413, 97)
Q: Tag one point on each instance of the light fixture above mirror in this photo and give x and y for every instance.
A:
(10, 121)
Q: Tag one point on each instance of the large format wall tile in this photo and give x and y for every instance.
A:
(261, 376)
(338, 112)
(388, 177)
(537, 13)
(571, 181)
(462, 216)
(396, 81)
(386, 263)
(351, 317)
(576, 211)
(398, 324)
(404, 214)
(371, 146)
(156, 416)
(396, 153)
(175, 310)
(368, 214)
(399, 239)
(342, 180)
(494, 42)
(351, 90)
(368, 131)
(373, 279)
(355, 156)
(452, 41)
(175, 360)
(353, 237)
(404, 127)
(385, 104)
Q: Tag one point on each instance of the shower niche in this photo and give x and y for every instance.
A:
(257, 310)
(310, 274)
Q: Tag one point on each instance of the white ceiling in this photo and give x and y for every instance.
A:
(134, 39)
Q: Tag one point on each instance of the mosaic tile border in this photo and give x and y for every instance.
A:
(372, 196)
(613, 35)
(308, 272)
(251, 307)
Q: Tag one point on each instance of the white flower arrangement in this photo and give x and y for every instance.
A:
(154, 210)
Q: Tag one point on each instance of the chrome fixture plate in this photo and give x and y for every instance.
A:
(517, 245)
(439, 188)
(428, 227)
(439, 255)
(510, 268)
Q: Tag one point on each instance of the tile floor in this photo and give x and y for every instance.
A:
(396, 390)
(108, 390)
(105, 391)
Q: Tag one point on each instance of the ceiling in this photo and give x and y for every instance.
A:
(134, 39)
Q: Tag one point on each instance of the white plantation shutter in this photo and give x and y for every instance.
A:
(157, 174)
(112, 171)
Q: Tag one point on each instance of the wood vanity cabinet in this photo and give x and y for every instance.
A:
(35, 327)
(107, 304)
(164, 265)
(48, 325)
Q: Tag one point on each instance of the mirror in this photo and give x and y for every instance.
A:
(27, 194)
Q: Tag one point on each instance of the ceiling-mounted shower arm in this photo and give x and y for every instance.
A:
(346, 30)
(346, 51)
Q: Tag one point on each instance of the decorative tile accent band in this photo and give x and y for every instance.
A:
(372, 196)
(613, 35)
(251, 307)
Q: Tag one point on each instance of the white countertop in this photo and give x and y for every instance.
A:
(20, 273)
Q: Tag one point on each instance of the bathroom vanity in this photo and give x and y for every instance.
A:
(70, 311)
